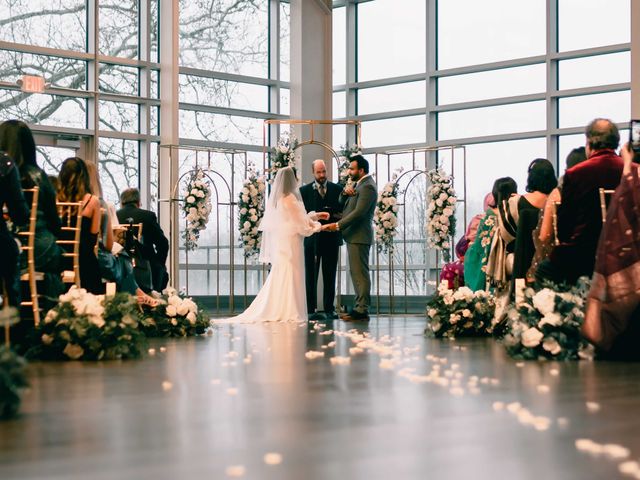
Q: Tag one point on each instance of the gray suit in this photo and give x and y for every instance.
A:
(357, 230)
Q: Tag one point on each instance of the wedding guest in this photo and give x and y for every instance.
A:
(579, 215)
(155, 246)
(12, 199)
(75, 186)
(17, 141)
(322, 195)
(476, 258)
(453, 272)
(612, 320)
(541, 182)
(115, 265)
(544, 236)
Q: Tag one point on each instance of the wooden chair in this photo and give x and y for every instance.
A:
(31, 276)
(603, 202)
(71, 215)
(137, 234)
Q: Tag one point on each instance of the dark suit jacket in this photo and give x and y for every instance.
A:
(579, 214)
(155, 244)
(313, 202)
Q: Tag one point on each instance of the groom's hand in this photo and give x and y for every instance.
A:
(330, 227)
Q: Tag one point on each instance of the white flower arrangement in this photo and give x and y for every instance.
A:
(346, 152)
(385, 217)
(461, 312)
(176, 316)
(196, 208)
(251, 211)
(282, 155)
(441, 220)
(546, 325)
(84, 326)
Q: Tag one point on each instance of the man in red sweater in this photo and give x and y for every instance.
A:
(579, 214)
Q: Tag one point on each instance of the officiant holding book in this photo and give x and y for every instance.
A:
(321, 249)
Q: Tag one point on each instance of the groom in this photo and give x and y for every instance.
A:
(357, 231)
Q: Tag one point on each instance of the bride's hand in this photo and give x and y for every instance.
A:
(323, 216)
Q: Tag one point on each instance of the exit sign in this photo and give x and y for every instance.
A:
(32, 84)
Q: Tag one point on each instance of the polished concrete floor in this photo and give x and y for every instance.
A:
(213, 407)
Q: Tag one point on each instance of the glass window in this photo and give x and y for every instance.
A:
(223, 93)
(472, 32)
(51, 158)
(592, 23)
(285, 96)
(118, 79)
(285, 41)
(506, 82)
(339, 104)
(594, 71)
(58, 71)
(43, 109)
(579, 111)
(225, 36)
(118, 166)
(118, 32)
(154, 31)
(394, 131)
(566, 143)
(403, 96)
(220, 128)
(39, 22)
(476, 122)
(391, 40)
(339, 33)
(119, 116)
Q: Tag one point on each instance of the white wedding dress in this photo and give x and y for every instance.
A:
(283, 296)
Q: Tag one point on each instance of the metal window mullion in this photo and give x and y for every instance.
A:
(351, 68)
(552, 82)
(144, 117)
(93, 65)
(274, 66)
(431, 24)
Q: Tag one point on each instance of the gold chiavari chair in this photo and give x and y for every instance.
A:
(137, 233)
(31, 276)
(71, 215)
(603, 202)
(556, 240)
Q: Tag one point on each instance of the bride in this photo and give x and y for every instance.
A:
(284, 225)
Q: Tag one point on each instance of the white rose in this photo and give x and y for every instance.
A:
(182, 310)
(432, 312)
(194, 191)
(73, 351)
(454, 318)
(46, 339)
(245, 198)
(551, 318)
(174, 322)
(544, 301)
(283, 149)
(246, 225)
(172, 310)
(466, 313)
(191, 316)
(551, 345)
(243, 211)
(191, 199)
(531, 337)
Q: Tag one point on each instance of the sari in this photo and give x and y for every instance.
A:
(475, 260)
(615, 290)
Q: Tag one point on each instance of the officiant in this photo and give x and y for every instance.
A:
(321, 249)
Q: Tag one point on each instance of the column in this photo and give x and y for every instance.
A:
(311, 76)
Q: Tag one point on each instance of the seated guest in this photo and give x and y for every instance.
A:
(579, 215)
(75, 186)
(543, 236)
(115, 264)
(453, 272)
(155, 246)
(612, 313)
(17, 141)
(519, 212)
(12, 198)
(540, 183)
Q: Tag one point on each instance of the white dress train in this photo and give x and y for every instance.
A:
(283, 296)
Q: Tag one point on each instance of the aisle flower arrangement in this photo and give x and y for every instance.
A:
(84, 326)
(12, 380)
(546, 325)
(461, 312)
(282, 155)
(176, 316)
(441, 220)
(346, 152)
(251, 211)
(196, 208)
(385, 217)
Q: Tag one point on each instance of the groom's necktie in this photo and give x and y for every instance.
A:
(322, 190)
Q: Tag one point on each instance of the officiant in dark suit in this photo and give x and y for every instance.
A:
(321, 249)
